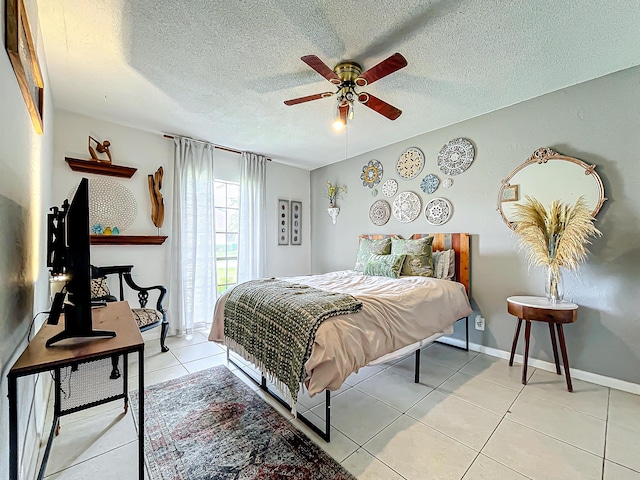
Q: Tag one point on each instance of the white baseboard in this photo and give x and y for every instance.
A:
(550, 367)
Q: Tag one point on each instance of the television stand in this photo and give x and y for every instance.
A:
(64, 335)
(79, 354)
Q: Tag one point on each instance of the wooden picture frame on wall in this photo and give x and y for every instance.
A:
(510, 193)
(22, 53)
(296, 223)
(283, 222)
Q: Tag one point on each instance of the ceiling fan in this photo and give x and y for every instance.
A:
(347, 76)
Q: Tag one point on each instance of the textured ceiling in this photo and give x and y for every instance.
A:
(220, 70)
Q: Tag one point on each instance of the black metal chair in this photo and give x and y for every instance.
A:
(146, 318)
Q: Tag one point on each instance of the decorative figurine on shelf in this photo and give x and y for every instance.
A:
(101, 148)
(157, 204)
(97, 229)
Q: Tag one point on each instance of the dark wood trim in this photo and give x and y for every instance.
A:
(100, 168)
(542, 314)
(128, 239)
(514, 344)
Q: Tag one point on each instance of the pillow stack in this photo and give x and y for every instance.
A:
(371, 247)
(418, 261)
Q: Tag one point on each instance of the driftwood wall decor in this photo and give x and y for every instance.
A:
(157, 204)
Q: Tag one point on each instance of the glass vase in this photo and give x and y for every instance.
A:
(554, 287)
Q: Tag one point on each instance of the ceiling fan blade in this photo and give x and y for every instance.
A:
(380, 106)
(322, 68)
(386, 67)
(308, 98)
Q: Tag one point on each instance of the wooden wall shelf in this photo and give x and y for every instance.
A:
(128, 239)
(99, 168)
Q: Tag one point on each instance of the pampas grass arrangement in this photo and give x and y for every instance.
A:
(555, 237)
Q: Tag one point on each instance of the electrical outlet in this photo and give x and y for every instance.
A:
(479, 322)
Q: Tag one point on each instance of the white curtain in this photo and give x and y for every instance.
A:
(192, 286)
(252, 241)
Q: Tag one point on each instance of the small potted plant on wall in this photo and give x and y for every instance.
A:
(333, 193)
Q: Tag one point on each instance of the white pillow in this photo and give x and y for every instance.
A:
(444, 264)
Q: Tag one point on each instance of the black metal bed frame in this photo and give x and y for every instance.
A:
(326, 434)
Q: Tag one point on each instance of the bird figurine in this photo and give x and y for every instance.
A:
(101, 148)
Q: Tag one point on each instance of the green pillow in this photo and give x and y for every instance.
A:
(418, 252)
(384, 265)
(371, 247)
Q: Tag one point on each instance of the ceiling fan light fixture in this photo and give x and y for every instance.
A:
(337, 124)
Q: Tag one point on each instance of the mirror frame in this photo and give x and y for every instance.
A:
(543, 155)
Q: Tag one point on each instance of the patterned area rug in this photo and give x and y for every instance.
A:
(210, 425)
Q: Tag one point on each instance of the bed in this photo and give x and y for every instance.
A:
(398, 316)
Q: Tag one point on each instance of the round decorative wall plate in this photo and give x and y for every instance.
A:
(371, 173)
(374, 192)
(430, 183)
(406, 207)
(447, 183)
(410, 163)
(438, 211)
(112, 206)
(389, 187)
(380, 212)
(456, 156)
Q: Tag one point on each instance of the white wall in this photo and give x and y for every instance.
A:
(25, 186)
(147, 151)
(596, 121)
(287, 183)
(129, 147)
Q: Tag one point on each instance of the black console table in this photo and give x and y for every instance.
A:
(75, 354)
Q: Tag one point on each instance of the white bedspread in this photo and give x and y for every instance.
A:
(395, 313)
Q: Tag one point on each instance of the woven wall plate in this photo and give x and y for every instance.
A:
(406, 207)
(380, 212)
(371, 173)
(389, 187)
(438, 211)
(430, 183)
(111, 204)
(410, 163)
(456, 156)
(447, 183)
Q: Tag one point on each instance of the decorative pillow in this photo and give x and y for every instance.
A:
(384, 265)
(418, 252)
(99, 288)
(444, 264)
(371, 247)
(146, 316)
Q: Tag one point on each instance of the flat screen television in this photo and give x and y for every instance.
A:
(68, 257)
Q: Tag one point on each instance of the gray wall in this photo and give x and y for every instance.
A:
(25, 187)
(598, 122)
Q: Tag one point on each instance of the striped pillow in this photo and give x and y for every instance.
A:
(384, 265)
(444, 264)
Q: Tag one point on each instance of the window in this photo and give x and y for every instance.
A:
(227, 206)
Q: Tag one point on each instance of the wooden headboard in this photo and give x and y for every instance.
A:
(459, 242)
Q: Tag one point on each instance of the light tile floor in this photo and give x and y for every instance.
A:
(470, 418)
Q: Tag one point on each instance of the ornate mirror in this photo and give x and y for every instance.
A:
(549, 176)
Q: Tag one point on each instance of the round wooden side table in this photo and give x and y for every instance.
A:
(540, 309)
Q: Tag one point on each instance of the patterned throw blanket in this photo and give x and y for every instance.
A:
(272, 323)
